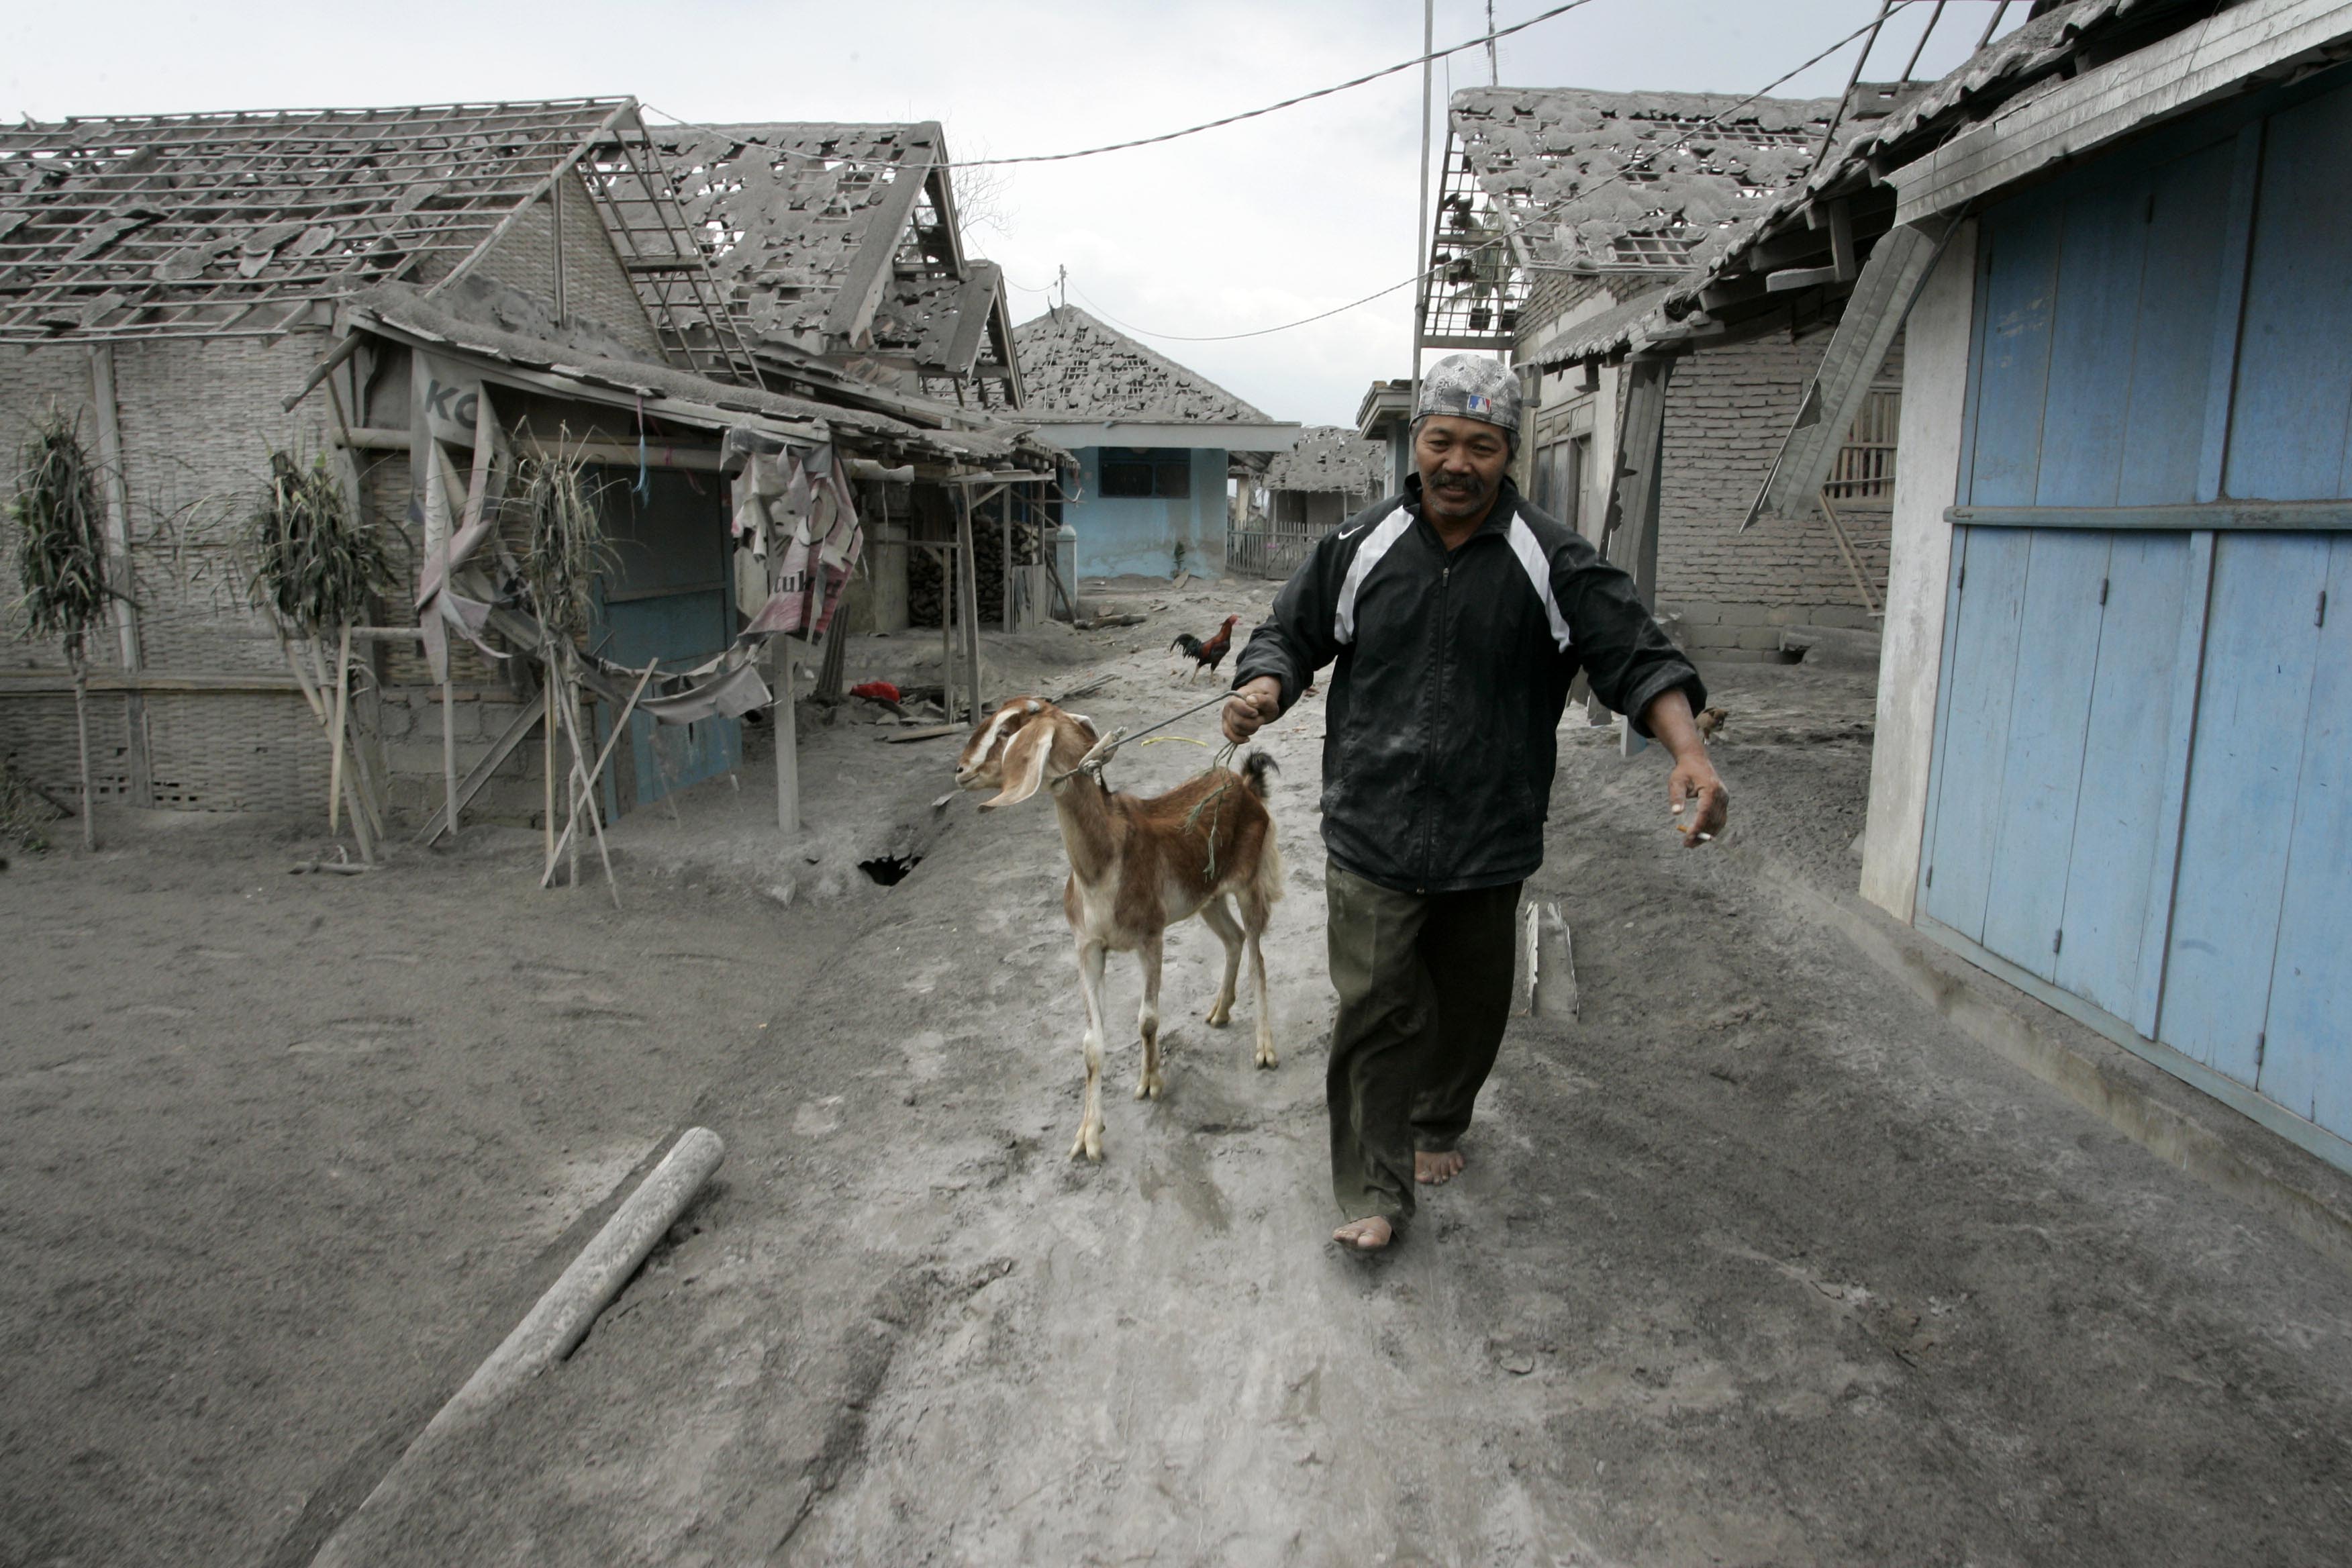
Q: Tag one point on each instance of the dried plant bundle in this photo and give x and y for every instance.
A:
(565, 547)
(312, 561)
(61, 524)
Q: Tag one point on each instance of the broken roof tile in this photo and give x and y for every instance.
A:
(1606, 180)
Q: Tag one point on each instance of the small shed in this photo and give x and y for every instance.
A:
(1306, 492)
(1159, 449)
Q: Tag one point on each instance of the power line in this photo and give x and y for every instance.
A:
(1614, 175)
(1484, 40)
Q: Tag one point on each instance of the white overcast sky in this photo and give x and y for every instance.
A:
(1227, 231)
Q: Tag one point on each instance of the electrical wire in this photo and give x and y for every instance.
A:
(1614, 175)
(1481, 41)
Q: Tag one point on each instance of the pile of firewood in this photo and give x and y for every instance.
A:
(923, 577)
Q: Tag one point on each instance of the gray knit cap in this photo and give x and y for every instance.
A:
(1470, 387)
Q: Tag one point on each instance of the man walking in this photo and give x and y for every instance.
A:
(1458, 615)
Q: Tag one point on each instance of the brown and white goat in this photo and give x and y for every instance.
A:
(1137, 866)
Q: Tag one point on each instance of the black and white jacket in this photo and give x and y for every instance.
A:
(1440, 741)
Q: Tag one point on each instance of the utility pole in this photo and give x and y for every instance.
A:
(1494, 71)
(1421, 234)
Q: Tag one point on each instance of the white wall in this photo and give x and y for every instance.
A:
(1935, 388)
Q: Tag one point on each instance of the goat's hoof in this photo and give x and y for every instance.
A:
(1266, 1056)
(1089, 1145)
(1151, 1086)
(1220, 1016)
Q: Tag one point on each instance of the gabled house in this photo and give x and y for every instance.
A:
(385, 286)
(2113, 756)
(1156, 446)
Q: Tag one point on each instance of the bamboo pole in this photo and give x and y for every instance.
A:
(587, 795)
(786, 724)
(81, 728)
(449, 754)
(547, 749)
(342, 715)
(611, 741)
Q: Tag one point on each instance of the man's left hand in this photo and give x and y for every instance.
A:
(1700, 801)
(1698, 795)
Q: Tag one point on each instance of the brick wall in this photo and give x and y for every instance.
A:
(1726, 411)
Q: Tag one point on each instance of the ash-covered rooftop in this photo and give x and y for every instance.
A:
(1075, 368)
(841, 239)
(1331, 458)
(209, 225)
(1614, 180)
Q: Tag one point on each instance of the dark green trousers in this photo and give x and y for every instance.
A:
(1424, 985)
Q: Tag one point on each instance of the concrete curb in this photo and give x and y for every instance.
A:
(2173, 1120)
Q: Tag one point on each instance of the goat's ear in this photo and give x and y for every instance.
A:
(1024, 763)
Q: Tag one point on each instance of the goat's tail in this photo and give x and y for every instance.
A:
(1255, 767)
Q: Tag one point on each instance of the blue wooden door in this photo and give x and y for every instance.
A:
(2143, 701)
(2065, 699)
(668, 598)
(2141, 796)
(2306, 1062)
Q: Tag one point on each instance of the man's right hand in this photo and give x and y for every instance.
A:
(1253, 705)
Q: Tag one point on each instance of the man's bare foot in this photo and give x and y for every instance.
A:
(1435, 1168)
(1364, 1235)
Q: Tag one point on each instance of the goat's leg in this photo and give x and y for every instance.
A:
(1149, 1084)
(1218, 916)
(1090, 979)
(1254, 914)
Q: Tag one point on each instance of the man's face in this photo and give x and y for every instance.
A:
(1460, 463)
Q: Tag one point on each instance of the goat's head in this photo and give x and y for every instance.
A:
(1013, 749)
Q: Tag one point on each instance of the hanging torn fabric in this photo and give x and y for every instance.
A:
(799, 501)
(450, 406)
(727, 696)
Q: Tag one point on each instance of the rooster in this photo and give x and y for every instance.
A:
(1206, 654)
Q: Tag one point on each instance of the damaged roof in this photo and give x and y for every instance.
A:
(2051, 47)
(1331, 458)
(470, 322)
(1075, 368)
(1597, 181)
(843, 237)
(248, 224)
(1787, 232)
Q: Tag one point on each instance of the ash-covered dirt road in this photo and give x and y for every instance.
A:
(1755, 1262)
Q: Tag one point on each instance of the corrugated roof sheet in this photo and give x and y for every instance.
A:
(1073, 367)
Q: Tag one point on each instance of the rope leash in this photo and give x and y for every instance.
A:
(1099, 755)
